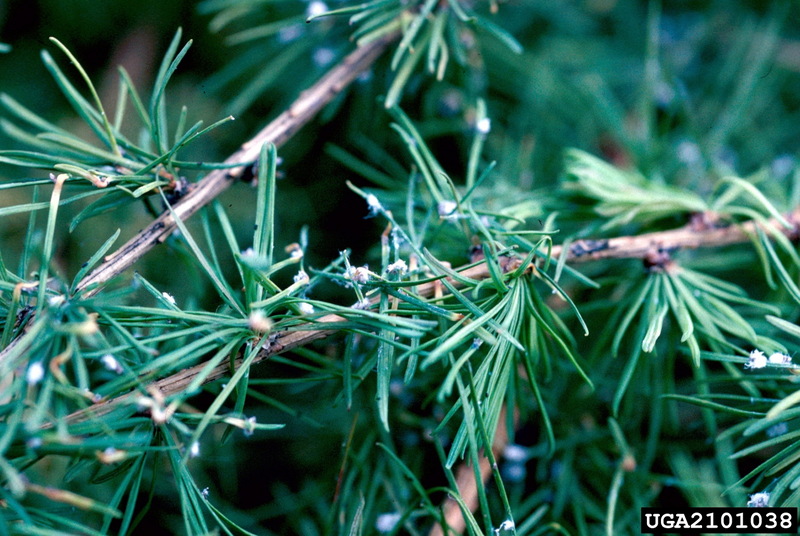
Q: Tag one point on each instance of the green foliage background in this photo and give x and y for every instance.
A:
(689, 108)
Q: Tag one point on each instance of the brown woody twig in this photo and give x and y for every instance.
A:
(687, 237)
(641, 246)
(307, 105)
(692, 236)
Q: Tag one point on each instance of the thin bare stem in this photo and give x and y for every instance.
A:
(282, 128)
(687, 237)
(307, 105)
(691, 236)
(179, 381)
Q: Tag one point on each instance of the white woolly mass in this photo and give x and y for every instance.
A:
(249, 426)
(110, 363)
(506, 525)
(359, 274)
(387, 522)
(446, 209)
(780, 359)
(484, 125)
(301, 277)
(757, 360)
(363, 304)
(759, 500)
(397, 267)
(373, 204)
(35, 373)
(316, 8)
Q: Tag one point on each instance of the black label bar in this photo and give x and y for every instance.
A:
(719, 520)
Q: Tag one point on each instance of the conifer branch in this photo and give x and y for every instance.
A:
(281, 129)
(468, 349)
(307, 105)
(700, 233)
(178, 382)
(690, 236)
